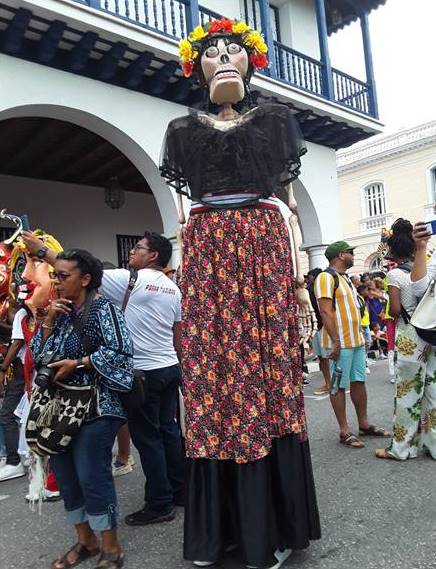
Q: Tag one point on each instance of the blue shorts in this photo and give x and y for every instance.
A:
(353, 364)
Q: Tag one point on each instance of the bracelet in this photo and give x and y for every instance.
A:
(80, 364)
(47, 327)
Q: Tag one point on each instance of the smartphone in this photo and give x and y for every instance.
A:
(431, 227)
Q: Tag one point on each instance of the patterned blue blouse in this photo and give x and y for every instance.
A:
(109, 347)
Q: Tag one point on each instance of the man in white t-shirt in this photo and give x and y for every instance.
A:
(13, 392)
(153, 316)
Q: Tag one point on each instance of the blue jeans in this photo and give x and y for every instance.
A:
(156, 435)
(84, 475)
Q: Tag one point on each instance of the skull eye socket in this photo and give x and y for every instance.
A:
(234, 48)
(211, 51)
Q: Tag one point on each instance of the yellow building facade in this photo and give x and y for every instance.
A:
(389, 177)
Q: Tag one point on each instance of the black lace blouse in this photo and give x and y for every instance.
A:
(256, 153)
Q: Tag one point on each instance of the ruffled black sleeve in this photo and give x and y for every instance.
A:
(173, 154)
(280, 144)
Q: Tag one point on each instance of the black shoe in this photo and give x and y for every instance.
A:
(148, 516)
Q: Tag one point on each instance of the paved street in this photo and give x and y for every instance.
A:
(374, 513)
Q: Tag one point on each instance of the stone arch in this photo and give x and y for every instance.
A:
(307, 215)
(125, 142)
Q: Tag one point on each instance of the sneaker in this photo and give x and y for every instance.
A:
(322, 390)
(392, 379)
(203, 563)
(121, 468)
(47, 496)
(10, 471)
(306, 380)
(367, 370)
(148, 516)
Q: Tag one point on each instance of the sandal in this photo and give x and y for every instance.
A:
(350, 440)
(383, 453)
(83, 553)
(374, 431)
(110, 560)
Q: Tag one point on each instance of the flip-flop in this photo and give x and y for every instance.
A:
(373, 431)
(109, 560)
(83, 553)
(350, 440)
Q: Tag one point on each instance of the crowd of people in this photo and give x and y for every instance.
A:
(205, 375)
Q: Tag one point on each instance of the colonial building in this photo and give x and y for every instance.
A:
(89, 86)
(389, 177)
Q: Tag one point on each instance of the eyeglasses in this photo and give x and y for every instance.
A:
(139, 247)
(60, 276)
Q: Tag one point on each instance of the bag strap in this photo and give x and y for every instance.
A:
(335, 276)
(131, 285)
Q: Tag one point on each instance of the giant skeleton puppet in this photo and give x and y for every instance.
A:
(248, 480)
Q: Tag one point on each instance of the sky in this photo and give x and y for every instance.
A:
(403, 46)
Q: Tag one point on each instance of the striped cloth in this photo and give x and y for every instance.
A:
(347, 310)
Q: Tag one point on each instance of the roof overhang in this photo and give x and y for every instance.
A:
(340, 13)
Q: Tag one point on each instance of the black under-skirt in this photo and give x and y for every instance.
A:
(261, 506)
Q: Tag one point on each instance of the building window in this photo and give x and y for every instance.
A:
(5, 233)
(124, 244)
(251, 12)
(433, 184)
(375, 200)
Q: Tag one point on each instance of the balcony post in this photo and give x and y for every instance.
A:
(268, 35)
(327, 75)
(192, 15)
(370, 79)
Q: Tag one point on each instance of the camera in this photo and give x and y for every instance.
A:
(45, 374)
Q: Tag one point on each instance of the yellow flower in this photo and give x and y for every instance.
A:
(256, 41)
(185, 51)
(197, 34)
(240, 28)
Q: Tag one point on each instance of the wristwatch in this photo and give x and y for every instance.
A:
(42, 252)
(80, 364)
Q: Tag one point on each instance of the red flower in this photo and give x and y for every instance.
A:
(188, 68)
(259, 60)
(223, 25)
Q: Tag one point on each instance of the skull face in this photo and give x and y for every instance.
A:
(224, 64)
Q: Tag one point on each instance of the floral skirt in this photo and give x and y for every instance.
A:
(415, 399)
(241, 362)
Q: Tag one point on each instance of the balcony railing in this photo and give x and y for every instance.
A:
(298, 69)
(375, 222)
(176, 18)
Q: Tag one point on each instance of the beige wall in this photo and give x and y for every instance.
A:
(407, 190)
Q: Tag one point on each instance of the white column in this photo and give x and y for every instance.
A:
(316, 255)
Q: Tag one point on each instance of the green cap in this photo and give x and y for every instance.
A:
(337, 247)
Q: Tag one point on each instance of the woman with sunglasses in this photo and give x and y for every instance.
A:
(96, 351)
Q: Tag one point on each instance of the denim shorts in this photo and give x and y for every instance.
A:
(352, 361)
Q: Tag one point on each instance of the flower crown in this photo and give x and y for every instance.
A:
(189, 48)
